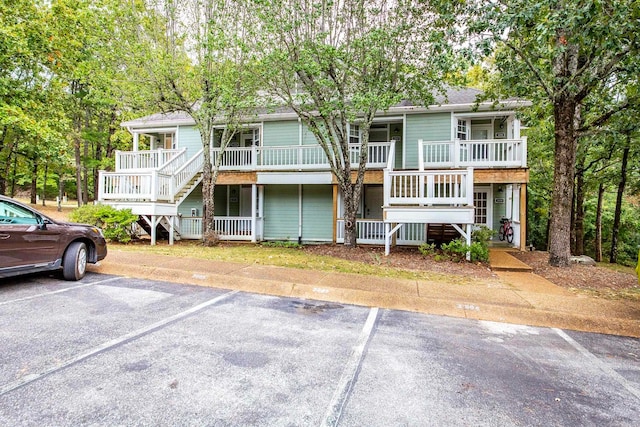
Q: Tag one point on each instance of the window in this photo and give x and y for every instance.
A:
(462, 130)
(481, 203)
(354, 134)
(14, 214)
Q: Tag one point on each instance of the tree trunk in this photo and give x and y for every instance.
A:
(78, 159)
(579, 209)
(598, 242)
(44, 183)
(60, 192)
(3, 176)
(350, 215)
(613, 255)
(208, 204)
(564, 163)
(13, 175)
(34, 181)
(85, 174)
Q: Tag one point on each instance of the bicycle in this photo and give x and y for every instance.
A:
(506, 230)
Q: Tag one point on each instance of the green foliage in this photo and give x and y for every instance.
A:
(427, 249)
(456, 250)
(116, 224)
(282, 244)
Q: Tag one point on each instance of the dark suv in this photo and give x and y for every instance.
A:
(32, 242)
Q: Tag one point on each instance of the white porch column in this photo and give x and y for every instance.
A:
(153, 230)
(254, 208)
(136, 141)
(171, 228)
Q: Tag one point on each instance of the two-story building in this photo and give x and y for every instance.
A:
(430, 170)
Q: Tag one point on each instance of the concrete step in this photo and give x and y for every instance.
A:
(501, 260)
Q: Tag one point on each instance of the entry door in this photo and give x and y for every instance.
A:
(480, 132)
(483, 207)
(373, 200)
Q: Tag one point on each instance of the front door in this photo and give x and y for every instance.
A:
(373, 201)
(483, 207)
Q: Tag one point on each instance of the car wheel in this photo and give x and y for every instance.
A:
(74, 263)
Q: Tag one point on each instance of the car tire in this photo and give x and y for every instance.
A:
(74, 262)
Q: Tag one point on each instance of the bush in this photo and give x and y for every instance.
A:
(427, 249)
(456, 250)
(116, 225)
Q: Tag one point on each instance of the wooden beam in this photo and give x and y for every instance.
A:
(500, 176)
(523, 217)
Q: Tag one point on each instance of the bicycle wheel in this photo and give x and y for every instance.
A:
(501, 233)
(509, 234)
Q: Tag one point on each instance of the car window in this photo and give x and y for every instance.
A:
(11, 213)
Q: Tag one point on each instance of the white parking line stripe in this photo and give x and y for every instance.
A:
(593, 358)
(59, 291)
(113, 343)
(347, 380)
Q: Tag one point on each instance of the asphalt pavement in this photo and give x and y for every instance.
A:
(515, 295)
(113, 350)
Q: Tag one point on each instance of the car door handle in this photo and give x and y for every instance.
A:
(4, 236)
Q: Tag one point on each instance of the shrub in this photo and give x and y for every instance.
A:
(427, 249)
(456, 250)
(116, 225)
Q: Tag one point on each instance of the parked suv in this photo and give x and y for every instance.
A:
(32, 242)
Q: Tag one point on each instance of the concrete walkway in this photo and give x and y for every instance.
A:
(515, 295)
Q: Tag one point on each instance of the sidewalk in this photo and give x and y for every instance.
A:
(515, 296)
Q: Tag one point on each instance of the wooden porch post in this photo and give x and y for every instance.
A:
(523, 216)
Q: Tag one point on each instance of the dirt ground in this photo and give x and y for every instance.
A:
(596, 280)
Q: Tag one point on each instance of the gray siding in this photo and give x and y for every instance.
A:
(317, 213)
(280, 133)
(189, 138)
(429, 127)
(281, 212)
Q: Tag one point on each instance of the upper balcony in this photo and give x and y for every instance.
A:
(485, 153)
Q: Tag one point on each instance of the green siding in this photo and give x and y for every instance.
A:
(193, 200)
(189, 138)
(317, 213)
(428, 127)
(281, 212)
(280, 133)
(308, 138)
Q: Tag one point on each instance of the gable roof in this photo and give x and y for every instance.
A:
(455, 99)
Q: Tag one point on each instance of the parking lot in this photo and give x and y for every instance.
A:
(120, 351)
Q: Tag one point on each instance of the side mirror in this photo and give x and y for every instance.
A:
(43, 225)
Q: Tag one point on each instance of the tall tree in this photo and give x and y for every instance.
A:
(203, 68)
(339, 63)
(559, 52)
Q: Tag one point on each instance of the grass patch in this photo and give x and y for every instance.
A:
(283, 256)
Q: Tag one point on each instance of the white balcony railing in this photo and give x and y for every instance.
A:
(295, 157)
(424, 188)
(371, 231)
(479, 153)
(140, 160)
(229, 228)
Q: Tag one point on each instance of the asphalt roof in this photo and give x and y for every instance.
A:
(453, 96)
